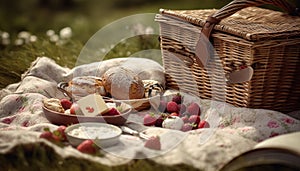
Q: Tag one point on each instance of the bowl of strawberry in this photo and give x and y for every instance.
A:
(66, 112)
(174, 113)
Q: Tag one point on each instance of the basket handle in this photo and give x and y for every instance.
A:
(226, 11)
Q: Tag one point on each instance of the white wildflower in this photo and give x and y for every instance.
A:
(24, 35)
(32, 38)
(50, 33)
(54, 38)
(65, 33)
(5, 35)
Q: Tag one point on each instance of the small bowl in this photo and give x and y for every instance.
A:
(104, 135)
(68, 119)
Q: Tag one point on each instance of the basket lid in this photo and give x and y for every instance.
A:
(251, 23)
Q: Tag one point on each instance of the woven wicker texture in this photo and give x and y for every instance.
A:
(266, 40)
(251, 23)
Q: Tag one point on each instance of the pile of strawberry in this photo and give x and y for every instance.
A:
(173, 114)
(58, 137)
(73, 108)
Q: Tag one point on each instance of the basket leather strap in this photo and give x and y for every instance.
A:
(202, 51)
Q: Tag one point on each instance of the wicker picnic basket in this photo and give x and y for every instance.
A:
(262, 45)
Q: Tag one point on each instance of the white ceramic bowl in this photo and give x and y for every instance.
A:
(104, 135)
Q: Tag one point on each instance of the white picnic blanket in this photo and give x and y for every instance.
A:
(22, 120)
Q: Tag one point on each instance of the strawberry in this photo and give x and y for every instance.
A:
(161, 119)
(149, 119)
(50, 136)
(153, 143)
(61, 129)
(174, 114)
(187, 127)
(65, 103)
(111, 112)
(194, 109)
(203, 124)
(177, 98)
(162, 106)
(194, 119)
(172, 107)
(74, 109)
(47, 135)
(87, 146)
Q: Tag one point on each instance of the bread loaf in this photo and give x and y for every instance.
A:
(122, 83)
(85, 85)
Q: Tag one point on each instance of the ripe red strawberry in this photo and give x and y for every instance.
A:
(61, 129)
(194, 119)
(112, 112)
(87, 146)
(162, 106)
(149, 119)
(47, 135)
(66, 104)
(203, 124)
(172, 107)
(153, 143)
(174, 114)
(194, 109)
(177, 98)
(74, 109)
(161, 119)
(50, 136)
(187, 127)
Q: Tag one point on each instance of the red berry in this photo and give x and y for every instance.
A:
(65, 103)
(194, 109)
(187, 127)
(74, 109)
(112, 112)
(172, 107)
(61, 129)
(194, 119)
(153, 143)
(149, 119)
(56, 138)
(177, 98)
(47, 135)
(174, 114)
(87, 146)
(159, 121)
(203, 124)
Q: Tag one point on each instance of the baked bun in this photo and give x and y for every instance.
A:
(122, 83)
(53, 104)
(85, 85)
